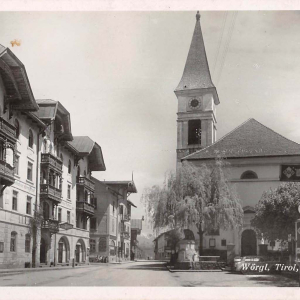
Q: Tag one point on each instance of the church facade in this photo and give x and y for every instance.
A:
(259, 157)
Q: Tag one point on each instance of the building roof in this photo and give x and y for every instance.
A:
(132, 204)
(130, 184)
(16, 82)
(136, 224)
(196, 74)
(250, 139)
(50, 110)
(85, 146)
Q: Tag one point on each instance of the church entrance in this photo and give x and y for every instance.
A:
(249, 243)
(43, 251)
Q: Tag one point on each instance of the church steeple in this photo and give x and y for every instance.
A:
(197, 98)
(196, 74)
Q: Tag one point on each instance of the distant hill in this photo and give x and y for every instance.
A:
(146, 244)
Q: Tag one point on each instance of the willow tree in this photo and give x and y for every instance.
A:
(200, 196)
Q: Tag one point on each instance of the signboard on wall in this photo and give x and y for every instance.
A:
(290, 173)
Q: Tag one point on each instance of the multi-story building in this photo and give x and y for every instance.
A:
(20, 133)
(66, 190)
(46, 191)
(136, 229)
(110, 228)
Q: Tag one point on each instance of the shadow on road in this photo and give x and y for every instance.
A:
(149, 267)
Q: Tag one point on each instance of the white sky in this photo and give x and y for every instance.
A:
(115, 72)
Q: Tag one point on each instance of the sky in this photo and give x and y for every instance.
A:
(115, 72)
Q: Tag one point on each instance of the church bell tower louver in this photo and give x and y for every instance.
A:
(197, 99)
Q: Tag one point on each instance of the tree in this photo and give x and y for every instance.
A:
(200, 196)
(34, 227)
(276, 212)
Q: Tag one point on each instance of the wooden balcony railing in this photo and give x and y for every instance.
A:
(6, 173)
(86, 208)
(50, 192)
(85, 182)
(51, 225)
(125, 234)
(52, 161)
(126, 218)
(7, 128)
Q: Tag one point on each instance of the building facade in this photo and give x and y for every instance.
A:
(110, 229)
(259, 157)
(20, 133)
(47, 195)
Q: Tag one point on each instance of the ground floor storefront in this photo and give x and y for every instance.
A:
(64, 247)
(108, 249)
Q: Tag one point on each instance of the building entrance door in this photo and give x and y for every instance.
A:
(249, 243)
(78, 253)
(43, 251)
(60, 252)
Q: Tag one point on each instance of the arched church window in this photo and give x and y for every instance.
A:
(194, 132)
(249, 175)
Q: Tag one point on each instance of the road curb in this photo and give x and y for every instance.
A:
(29, 270)
(191, 271)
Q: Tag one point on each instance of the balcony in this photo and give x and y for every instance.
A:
(7, 129)
(48, 191)
(125, 235)
(126, 218)
(86, 183)
(52, 161)
(6, 174)
(85, 208)
(51, 225)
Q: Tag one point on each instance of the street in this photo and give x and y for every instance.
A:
(140, 274)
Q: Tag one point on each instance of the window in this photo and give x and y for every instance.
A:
(213, 232)
(68, 217)
(17, 165)
(30, 139)
(92, 246)
(1, 247)
(69, 191)
(29, 171)
(28, 206)
(212, 243)
(249, 175)
(61, 158)
(59, 215)
(17, 125)
(84, 222)
(13, 242)
(194, 132)
(15, 201)
(94, 223)
(69, 167)
(45, 146)
(27, 243)
(223, 242)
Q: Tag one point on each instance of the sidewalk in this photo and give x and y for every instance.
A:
(4, 272)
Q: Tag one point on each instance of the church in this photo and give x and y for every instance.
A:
(259, 158)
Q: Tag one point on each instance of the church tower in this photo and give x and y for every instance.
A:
(197, 99)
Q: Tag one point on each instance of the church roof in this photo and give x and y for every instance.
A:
(250, 139)
(196, 74)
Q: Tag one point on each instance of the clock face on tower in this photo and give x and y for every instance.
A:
(194, 103)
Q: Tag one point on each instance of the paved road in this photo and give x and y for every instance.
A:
(151, 274)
